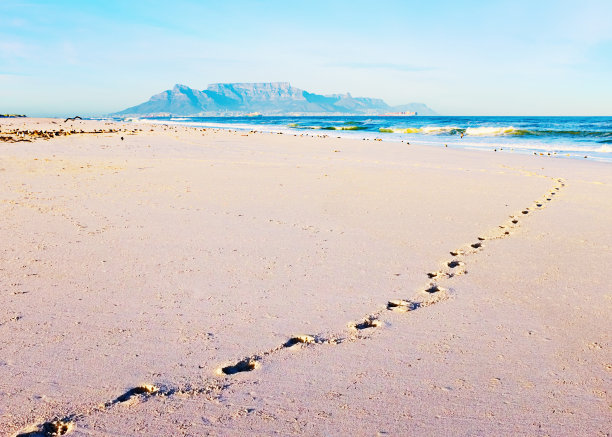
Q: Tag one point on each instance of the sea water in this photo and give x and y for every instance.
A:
(569, 137)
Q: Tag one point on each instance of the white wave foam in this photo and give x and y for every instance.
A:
(534, 147)
(489, 131)
(410, 130)
(434, 130)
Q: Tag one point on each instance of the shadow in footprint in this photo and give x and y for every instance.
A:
(299, 339)
(367, 323)
(475, 246)
(402, 305)
(433, 289)
(145, 389)
(454, 263)
(245, 365)
(51, 428)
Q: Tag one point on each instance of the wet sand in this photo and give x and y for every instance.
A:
(182, 281)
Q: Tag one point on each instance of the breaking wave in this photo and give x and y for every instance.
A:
(344, 128)
(495, 131)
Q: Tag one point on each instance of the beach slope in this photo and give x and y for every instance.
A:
(168, 280)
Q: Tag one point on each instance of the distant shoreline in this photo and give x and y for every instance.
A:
(564, 137)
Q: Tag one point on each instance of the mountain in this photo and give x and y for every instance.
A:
(273, 98)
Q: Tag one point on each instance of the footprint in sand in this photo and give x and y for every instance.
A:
(131, 394)
(454, 263)
(433, 295)
(475, 246)
(505, 232)
(245, 365)
(51, 428)
(433, 288)
(401, 305)
(370, 322)
(299, 339)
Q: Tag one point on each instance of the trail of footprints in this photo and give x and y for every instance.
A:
(432, 293)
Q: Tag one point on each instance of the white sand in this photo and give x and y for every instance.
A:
(163, 257)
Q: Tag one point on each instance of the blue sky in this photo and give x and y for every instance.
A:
(491, 57)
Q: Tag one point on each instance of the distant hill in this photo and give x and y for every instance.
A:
(273, 98)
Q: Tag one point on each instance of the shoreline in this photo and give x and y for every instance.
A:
(256, 283)
(335, 134)
(597, 151)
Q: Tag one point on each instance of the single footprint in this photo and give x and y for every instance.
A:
(299, 339)
(433, 295)
(475, 246)
(454, 263)
(402, 305)
(457, 252)
(431, 275)
(144, 389)
(48, 429)
(370, 322)
(245, 365)
(433, 288)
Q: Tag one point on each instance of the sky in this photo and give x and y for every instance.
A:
(91, 57)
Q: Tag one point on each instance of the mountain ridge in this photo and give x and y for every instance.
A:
(265, 98)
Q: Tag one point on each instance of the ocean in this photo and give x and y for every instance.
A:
(565, 137)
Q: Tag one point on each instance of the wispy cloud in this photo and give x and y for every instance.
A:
(380, 66)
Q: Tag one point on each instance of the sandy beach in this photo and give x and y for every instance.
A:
(168, 280)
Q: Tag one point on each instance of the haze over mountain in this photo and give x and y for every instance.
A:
(273, 98)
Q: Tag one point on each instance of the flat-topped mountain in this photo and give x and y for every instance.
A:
(273, 98)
